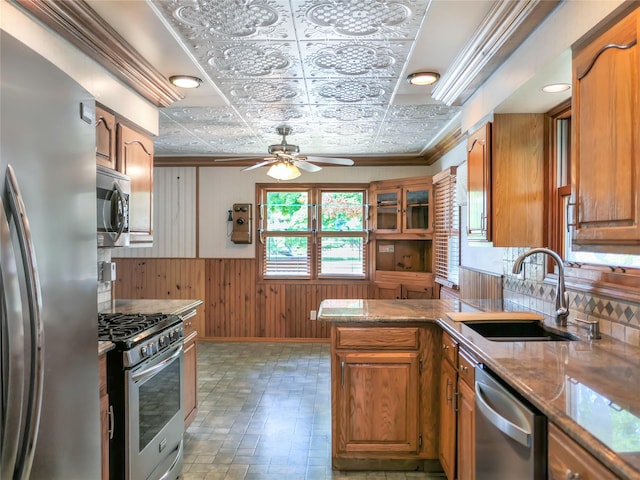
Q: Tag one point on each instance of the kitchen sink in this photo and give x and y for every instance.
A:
(518, 331)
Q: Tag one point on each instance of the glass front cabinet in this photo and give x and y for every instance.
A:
(402, 206)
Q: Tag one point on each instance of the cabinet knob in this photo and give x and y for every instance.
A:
(464, 368)
(569, 475)
(445, 347)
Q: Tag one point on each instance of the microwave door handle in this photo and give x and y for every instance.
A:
(121, 208)
(13, 331)
(34, 296)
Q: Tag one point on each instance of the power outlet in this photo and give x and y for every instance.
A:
(313, 315)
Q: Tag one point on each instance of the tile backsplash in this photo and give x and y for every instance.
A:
(618, 319)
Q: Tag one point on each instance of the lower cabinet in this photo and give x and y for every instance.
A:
(466, 417)
(105, 417)
(190, 378)
(567, 459)
(383, 397)
(457, 411)
(447, 449)
(396, 291)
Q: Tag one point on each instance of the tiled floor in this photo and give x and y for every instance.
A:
(265, 414)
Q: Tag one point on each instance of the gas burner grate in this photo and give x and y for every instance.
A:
(118, 327)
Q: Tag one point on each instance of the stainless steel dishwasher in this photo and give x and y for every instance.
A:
(510, 433)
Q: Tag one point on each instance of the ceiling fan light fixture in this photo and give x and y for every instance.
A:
(283, 171)
(423, 78)
(185, 81)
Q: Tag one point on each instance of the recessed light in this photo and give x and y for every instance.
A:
(423, 78)
(556, 87)
(185, 81)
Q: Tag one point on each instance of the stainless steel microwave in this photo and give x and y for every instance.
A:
(113, 191)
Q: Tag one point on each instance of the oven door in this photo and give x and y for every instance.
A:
(155, 422)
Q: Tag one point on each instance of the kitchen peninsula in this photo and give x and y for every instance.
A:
(578, 385)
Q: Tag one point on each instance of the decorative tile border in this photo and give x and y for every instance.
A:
(618, 319)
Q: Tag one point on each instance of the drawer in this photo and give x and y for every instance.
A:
(467, 367)
(449, 349)
(379, 338)
(567, 459)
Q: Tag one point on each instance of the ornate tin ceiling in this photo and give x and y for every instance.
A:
(330, 69)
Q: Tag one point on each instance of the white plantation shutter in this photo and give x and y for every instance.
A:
(446, 228)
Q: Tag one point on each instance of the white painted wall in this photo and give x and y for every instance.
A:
(101, 84)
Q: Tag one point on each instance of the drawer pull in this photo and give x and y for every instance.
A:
(464, 369)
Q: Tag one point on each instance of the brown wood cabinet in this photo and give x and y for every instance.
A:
(383, 396)
(135, 159)
(105, 417)
(567, 459)
(479, 184)
(191, 332)
(105, 138)
(190, 378)
(606, 139)
(466, 424)
(448, 382)
(506, 181)
(402, 244)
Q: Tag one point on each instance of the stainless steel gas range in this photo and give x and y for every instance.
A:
(145, 384)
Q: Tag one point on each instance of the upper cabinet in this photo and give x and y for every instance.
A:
(402, 206)
(606, 141)
(105, 138)
(135, 159)
(506, 181)
(479, 184)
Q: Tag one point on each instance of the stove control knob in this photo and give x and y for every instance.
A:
(144, 351)
(162, 341)
(173, 335)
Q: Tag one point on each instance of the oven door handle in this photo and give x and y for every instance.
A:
(149, 372)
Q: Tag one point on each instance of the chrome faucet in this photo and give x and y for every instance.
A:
(562, 298)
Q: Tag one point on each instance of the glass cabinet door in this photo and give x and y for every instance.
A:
(388, 210)
(416, 201)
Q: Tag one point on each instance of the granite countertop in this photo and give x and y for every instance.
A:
(589, 388)
(175, 307)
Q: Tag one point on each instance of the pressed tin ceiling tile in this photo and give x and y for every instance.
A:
(268, 91)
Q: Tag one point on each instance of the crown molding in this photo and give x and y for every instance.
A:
(77, 22)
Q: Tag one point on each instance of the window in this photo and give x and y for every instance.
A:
(313, 232)
(446, 233)
(606, 272)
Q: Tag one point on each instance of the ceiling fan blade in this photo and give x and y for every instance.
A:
(306, 166)
(235, 159)
(258, 165)
(335, 161)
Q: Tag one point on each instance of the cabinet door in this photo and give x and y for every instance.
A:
(105, 138)
(416, 214)
(479, 184)
(190, 380)
(387, 291)
(387, 210)
(447, 452)
(466, 432)
(606, 170)
(377, 403)
(417, 292)
(136, 160)
(567, 459)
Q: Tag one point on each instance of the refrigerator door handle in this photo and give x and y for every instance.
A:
(34, 296)
(13, 356)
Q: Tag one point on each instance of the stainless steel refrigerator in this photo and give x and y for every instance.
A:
(49, 404)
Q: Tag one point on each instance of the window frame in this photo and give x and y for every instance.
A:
(314, 233)
(616, 282)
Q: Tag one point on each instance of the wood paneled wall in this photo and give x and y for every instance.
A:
(476, 284)
(235, 304)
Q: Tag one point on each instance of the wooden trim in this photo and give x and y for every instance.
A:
(77, 22)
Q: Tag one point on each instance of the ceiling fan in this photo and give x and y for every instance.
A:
(286, 161)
